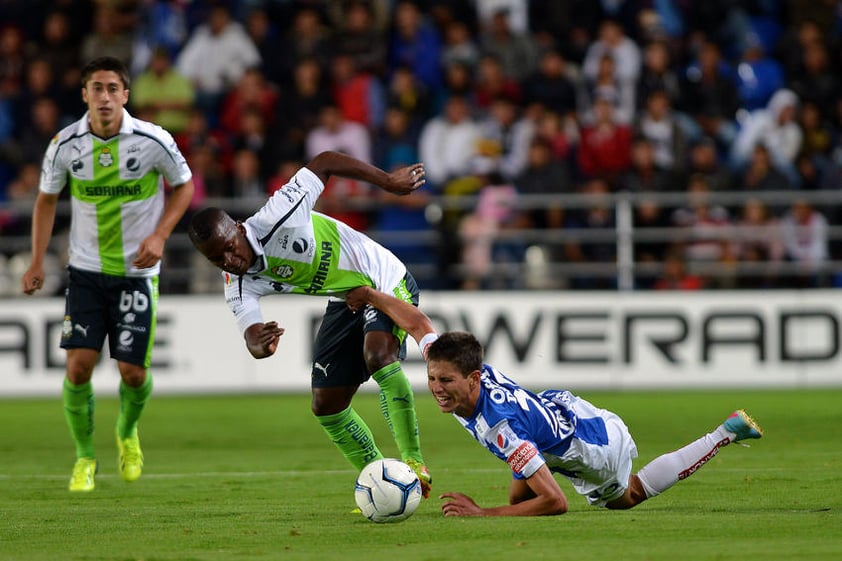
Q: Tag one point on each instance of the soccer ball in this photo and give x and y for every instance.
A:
(387, 490)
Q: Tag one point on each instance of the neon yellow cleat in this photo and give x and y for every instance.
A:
(423, 476)
(130, 457)
(83, 475)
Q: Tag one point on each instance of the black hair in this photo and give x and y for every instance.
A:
(205, 224)
(109, 64)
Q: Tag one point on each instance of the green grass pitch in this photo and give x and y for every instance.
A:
(254, 478)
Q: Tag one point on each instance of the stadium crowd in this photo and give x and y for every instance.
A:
(510, 102)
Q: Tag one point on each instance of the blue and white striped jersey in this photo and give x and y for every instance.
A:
(528, 430)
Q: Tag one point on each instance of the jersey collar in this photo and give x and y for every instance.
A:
(259, 263)
(126, 125)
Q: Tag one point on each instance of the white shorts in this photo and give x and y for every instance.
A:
(602, 471)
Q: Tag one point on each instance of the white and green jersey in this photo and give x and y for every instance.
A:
(116, 190)
(301, 251)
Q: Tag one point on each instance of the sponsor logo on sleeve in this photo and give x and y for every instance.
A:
(518, 459)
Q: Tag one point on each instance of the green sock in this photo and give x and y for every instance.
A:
(132, 402)
(351, 435)
(79, 412)
(397, 403)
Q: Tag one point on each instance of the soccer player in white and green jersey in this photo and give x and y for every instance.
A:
(115, 166)
(286, 247)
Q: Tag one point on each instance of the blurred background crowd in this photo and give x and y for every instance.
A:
(580, 144)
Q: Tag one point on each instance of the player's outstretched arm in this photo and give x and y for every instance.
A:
(539, 495)
(262, 338)
(408, 317)
(402, 181)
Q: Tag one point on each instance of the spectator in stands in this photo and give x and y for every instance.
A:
(659, 124)
(415, 43)
(707, 225)
(544, 175)
(342, 197)
(20, 193)
(161, 24)
(758, 75)
(658, 75)
(39, 128)
(675, 275)
(163, 94)
(199, 133)
(605, 146)
(303, 102)
(516, 50)
(613, 41)
(308, 37)
(359, 95)
(257, 136)
(214, 58)
(449, 142)
(251, 93)
(38, 82)
(266, 36)
(805, 237)
(401, 222)
(646, 175)
(12, 59)
(58, 47)
(648, 249)
(709, 94)
(561, 133)
(111, 35)
(818, 134)
(762, 175)
(622, 93)
(757, 241)
(552, 85)
(405, 91)
(817, 82)
(775, 127)
(505, 137)
(459, 45)
(480, 233)
(598, 215)
(491, 82)
(246, 181)
(359, 37)
(704, 160)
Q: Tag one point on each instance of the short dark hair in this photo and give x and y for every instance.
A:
(460, 349)
(109, 64)
(205, 224)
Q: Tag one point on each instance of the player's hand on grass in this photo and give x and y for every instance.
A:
(262, 338)
(459, 505)
(357, 298)
(405, 180)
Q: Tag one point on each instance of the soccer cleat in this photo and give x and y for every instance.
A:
(742, 425)
(423, 476)
(130, 457)
(83, 475)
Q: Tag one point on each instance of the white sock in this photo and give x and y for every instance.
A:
(665, 471)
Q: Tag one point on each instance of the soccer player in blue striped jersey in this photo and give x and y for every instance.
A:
(541, 434)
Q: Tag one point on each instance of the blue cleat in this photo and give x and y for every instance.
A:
(742, 425)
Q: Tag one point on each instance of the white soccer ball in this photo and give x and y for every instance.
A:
(387, 490)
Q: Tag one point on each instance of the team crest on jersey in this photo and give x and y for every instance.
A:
(105, 158)
(283, 271)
